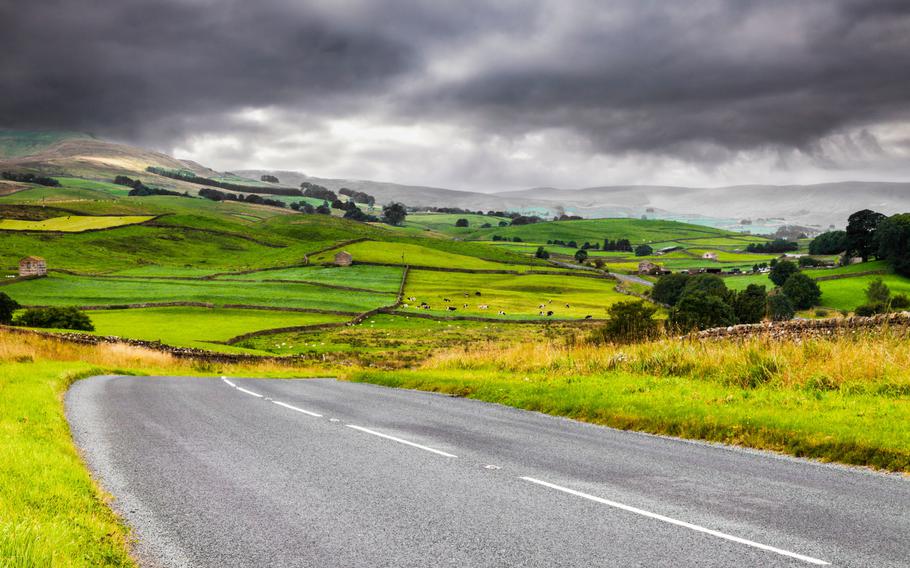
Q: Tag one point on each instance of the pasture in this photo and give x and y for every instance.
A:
(519, 296)
(72, 223)
(636, 230)
(378, 278)
(410, 254)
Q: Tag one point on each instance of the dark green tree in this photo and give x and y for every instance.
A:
(669, 288)
(878, 292)
(542, 253)
(832, 242)
(781, 271)
(802, 291)
(461, 223)
(894, 242)
(750, 304)
(643, 250)
(780, 308)
(581, 255)
(55, 317)
(700, 310)
(7, 307)
(394, 213)
(710, 284)
(630, 320)
(861, 233)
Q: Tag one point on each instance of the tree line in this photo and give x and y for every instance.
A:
(188, 176)
(139, 189)
(31, 178)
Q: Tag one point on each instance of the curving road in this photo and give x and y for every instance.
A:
(247, 472)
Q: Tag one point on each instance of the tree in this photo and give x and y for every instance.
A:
(832, 242)
(394, 213)
(780, 308)
(324, 209)
(669, 288)
(541, 253)
(781, 271)
(802, 291)
(894, 242)
(708, 284)
(581, 255)
(643, 250)
(861, 233)
(750, 304)
(878, 292)
(268, 178)
(7, 307)
(700, 310)
(461, 223)
(56, 317)
(630, 320)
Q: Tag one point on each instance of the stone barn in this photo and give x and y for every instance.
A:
(647, 267)
(32, 266)
(343, 258)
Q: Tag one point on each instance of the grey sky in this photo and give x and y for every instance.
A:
(478, 95)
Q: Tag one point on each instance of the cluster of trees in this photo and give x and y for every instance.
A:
(644, 250)
(565, 217)
(57, 318)
(216, 195)
(621, 245)
(317, 192)
(269, 179)
(832, 242)
(188, 176)
(394, 213)
(541, 253)
(526, 220)
(139, 189)
(31, 178)
(305, 207)
(358, 196)
(570, 244)
(507, 239)
(870, 234)
(351, 211)
(777, 245)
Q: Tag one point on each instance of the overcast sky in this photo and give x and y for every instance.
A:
(478, 95)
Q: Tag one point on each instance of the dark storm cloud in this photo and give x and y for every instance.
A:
(692, 79)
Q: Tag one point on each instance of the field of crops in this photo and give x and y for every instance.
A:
(198, 327)
(519, 296)
(71, 224)
(66, 290)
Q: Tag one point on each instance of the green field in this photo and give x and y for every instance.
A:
(444, 223)
(518, 295)
(849, 293)
(379, 278)
(198, 327)
(416, 255)
(64, 290)
(71, 224)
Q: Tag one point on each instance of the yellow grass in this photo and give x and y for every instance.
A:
(73, 223)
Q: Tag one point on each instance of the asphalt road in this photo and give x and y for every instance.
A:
(324, 473)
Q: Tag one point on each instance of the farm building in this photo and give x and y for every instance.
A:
(709, 256)
(343, 258)
(647, 267)
(32, 266)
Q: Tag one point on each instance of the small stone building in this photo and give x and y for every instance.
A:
(647, 267)
(343, 258)
(709, 256)
(32, 266)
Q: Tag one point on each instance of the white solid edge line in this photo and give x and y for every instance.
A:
(298, 409)
(400, 441)
(228, 382)
(672, 521)
(256, 394)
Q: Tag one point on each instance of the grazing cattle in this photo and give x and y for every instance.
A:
(550, 313)
(587, 317)
(483, 307)
(567, 305)
(412, 299)
(476, 293)
(502, 313)
(446, 300)
(452, 308)
(464, 306)
(425, 307)
(466, 295)
(541, 306)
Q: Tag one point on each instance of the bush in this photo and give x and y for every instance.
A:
(780, 308)
(669, 288)
(700, 310)
(58, 318)
(900, 302)
(461, 223)
(867, 310)
(821, 313)
(802, 291)
(7, 307)
(781, 271)
(541, 253)
(878, 292)
(630, 321)
(643, 250)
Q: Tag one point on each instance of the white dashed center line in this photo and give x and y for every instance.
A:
(677, 522)
(401, 441)
(307, 412)
(228, 382)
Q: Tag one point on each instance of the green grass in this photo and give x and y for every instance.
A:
(636, 230)
(15, 143)
(51, 513)
(198, 327)
(411, 254)
(67, 290)
(874, 266)
(106, 186)
(445, 222)
(70, 224)
(518, 296)
(849, 293)
(379, 278)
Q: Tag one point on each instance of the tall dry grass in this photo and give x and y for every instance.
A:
(880, 359)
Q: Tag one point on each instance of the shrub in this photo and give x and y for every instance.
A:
(701, 310)
(643, 250)
(461, 223)
(878, 292)
(821, 313)
(780, 308)
(7, 307)
(56, 317)
(867, 310)
(630, 321)
(541, 253)
(802, 290)
(900, 302)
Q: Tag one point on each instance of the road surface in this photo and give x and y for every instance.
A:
(247, 472)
